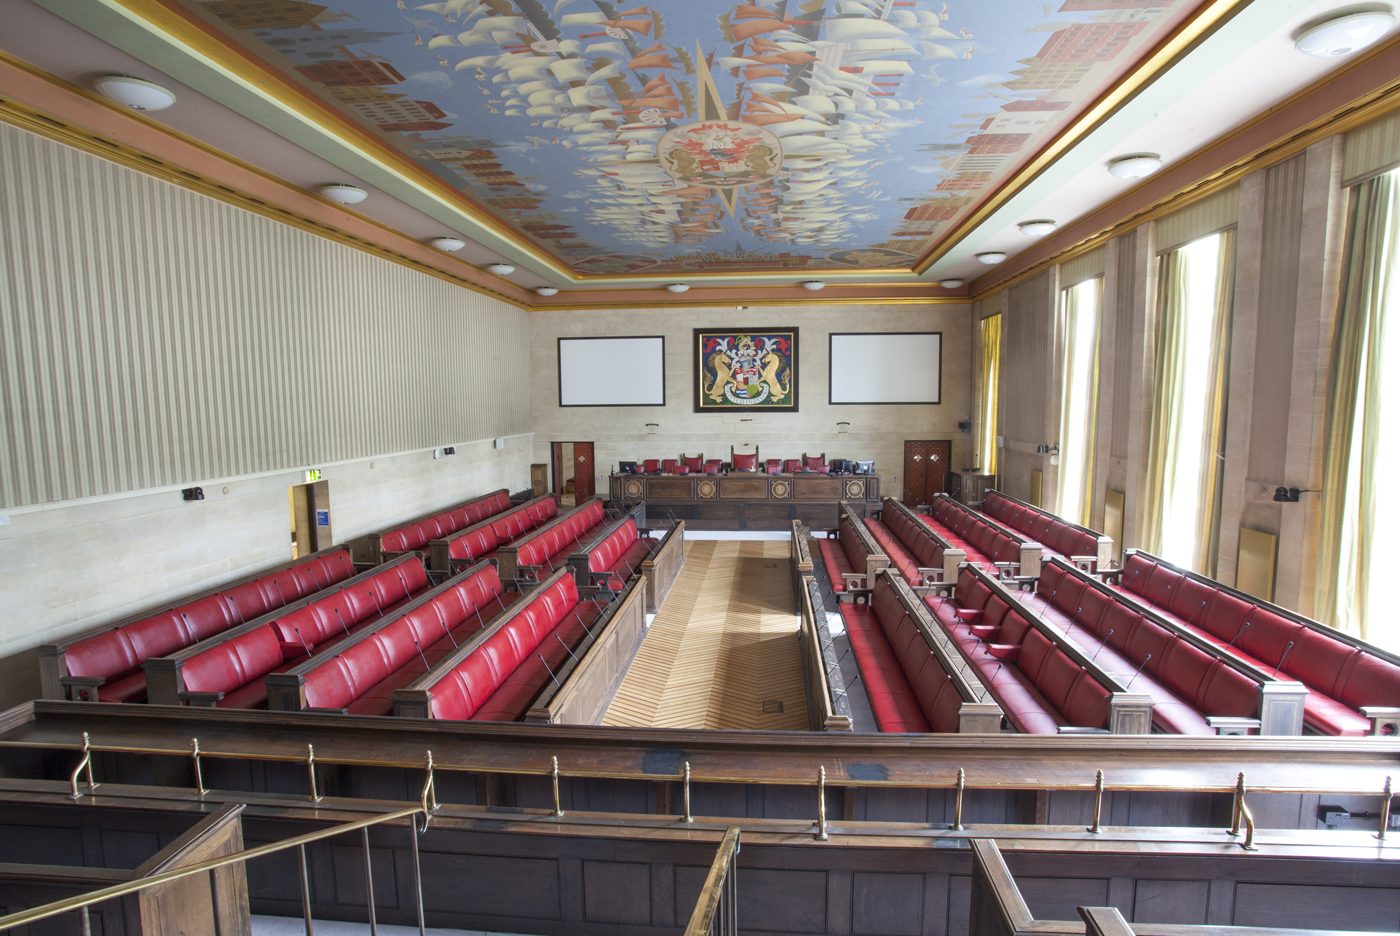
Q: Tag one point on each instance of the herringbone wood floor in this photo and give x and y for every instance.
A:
(723, 643)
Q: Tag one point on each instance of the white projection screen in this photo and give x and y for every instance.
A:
(890, 367)
(612, 371)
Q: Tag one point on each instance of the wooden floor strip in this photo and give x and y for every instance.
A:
(723, 644)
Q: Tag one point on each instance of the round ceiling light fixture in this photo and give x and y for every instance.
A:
(813, 285)
(678, 287)
(135, 93)
(546, 290)
(950, 283)
(1037, 228)
(448, 244)
(1136, 166)
(991, 257)
(500, 269)
(1345, 34)
(342, 193)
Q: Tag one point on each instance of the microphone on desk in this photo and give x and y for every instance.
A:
(1138, 673)
(342, 621)
(1237, 634)
(1102, 645)
(1286, 651)
(548, 670)
(297, 630)
(279, 590)
(419, 648)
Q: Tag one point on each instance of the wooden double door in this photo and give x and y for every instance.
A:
(926, 469)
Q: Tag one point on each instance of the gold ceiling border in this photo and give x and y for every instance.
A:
(701, 303)
(1348, 117)
(1189, 33)
(55, 128)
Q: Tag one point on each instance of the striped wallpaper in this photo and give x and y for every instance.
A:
(1027, 333)
(151, 336)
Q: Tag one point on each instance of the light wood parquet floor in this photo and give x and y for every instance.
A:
(723, 643)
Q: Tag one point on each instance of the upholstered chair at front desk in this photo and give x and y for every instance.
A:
(741, 462)
(792, 464)
(668, 466)
(693, 465)
(773, 466)
(651, 466)
(713, 466)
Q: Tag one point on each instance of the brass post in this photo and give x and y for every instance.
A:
(428, 799)
(198, 771)
(1248, 843)
(686, 794)
(1239, 801)
(1385, 811)
(311, 771)
(821, 804)
(957, 804)
(1098, 803)
(85, 762)
(554, 775)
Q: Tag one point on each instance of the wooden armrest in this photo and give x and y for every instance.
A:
(338, 711)
(1225, 725)
(855, 581)
(1086, 563)
(931, 576)
(1107, 574)
(1075, 729)
(83, 688)
(833, 534)
(1385, 719)
(201, 699)
(1007, 570)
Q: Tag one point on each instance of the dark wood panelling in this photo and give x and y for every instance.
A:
(777, 901)
(507, 887)
(616, 892)
(887, 904)
(1055, 898)
(1304, 906)
(1170, 901)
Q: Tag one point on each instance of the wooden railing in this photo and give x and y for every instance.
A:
(716, 912)
(663, 565)
(828, 709)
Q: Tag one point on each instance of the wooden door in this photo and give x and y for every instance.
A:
(583, 471)
(925, 465)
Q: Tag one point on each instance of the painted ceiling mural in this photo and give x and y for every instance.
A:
(690, 135)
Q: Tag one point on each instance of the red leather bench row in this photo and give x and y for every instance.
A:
(236, 666)
(985, 543)
(499, 679)
(549, 548)
(482, 540)
(416, 535)
(908, 688)
(843, 556)
(909, 542)
(362, 677)
(619, 555)
(116, 655)
(1186, 683)
(1341, 676)
(1040, 687)
(1052, 533)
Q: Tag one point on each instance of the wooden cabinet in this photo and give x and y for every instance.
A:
(970, 488)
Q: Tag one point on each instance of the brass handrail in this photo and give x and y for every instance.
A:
(702, 918)
(130, 887)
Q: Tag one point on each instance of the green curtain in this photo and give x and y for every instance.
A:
(1348, 538)
(991, 381)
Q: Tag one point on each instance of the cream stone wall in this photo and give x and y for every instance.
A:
(71, 566)
(875, 432)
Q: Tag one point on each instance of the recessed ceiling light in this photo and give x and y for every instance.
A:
(1344, 34)
(500, 269)
(1136, 166)
(678, 287)
(343, 193)
(991, 257)
(448, 243)
(546, 290)
(135, 93)
(813, 285)
(1038, 228)
(950, 283)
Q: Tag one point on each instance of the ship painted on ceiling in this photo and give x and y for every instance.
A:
(680, 137)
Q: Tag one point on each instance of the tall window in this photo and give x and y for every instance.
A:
(1079, 310)
(1362, 461)
(991, 381)
(1195, 297)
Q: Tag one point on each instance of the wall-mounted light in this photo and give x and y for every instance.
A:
(343, 193)
(950, 283)
(991, 257)
(546, 291)
(1136, 166)
(135, 93)
(500, 269)
(1055, 454)
(678, 287)
(843, 427)
(652, 427)
(448, 244)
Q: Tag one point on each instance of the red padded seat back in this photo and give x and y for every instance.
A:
(1057, 676)
(668, 466)
(813, 461)
(747, 462)
(416, 535)
(1267, 637)
(1067, 593)
(460, 692)
(1136, 572)
(713, 467)
(1207, 683)
(792, 464)
(333, 615)
(1368, 680)
(852, 546)
(994, 613)
(1161, 586)
(477, 543)
(1092, 603)
(234, 663)
(1116, 625)
(1049, 581)
(1148, 638)
(1190, 599)
(1322, 662)
(606, 553)
(1086, 704)
(651, 466)
(1225, 615)
(108, 654)
(1035, 650)
(938, 698)
(694, 464)
(1014, 628)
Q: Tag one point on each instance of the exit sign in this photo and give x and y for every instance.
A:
(313, 474)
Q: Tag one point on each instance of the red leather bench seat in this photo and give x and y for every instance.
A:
(550, 548)
(416, 535)
(900, 557)
(845, 554)
(1186, 683)
(1039, 687)
(908, 688)
(1055, 535)
(116, 655)
(985, 543)
(482, 543)
(1340, 677)
(500, 678)
(620, 555)
(364, 676)
(236, 667)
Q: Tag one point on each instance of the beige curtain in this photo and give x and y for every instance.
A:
(1350, 484)
(991, 383)
(1081, 307)
(1168, 470)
